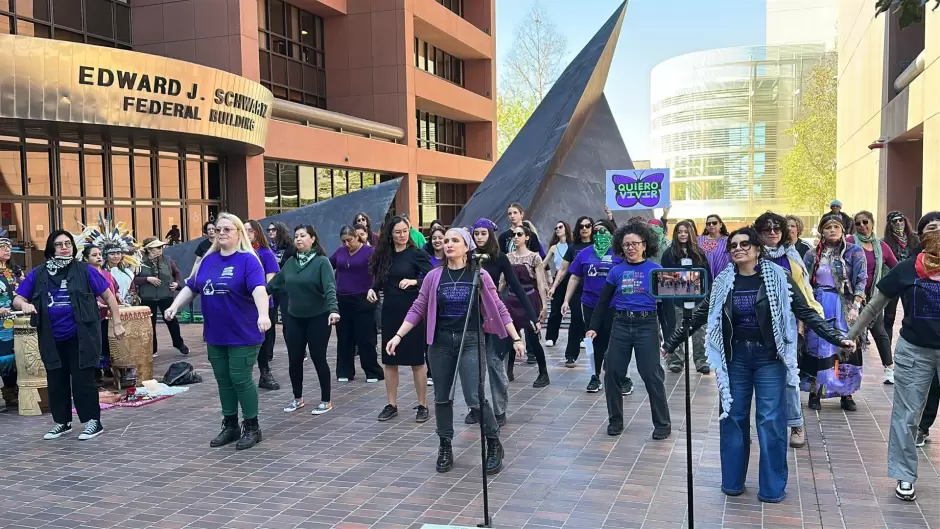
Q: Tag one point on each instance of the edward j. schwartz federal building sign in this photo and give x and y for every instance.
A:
(79, 84)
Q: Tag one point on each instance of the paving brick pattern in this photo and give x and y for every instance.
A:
(153, 467)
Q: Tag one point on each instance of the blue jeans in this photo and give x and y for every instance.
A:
(755, 371)
(794, 409)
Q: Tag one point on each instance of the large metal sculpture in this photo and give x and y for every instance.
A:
(555, 167)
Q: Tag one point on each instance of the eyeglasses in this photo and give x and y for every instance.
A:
(632, 244)
(518, 234)
(712, 223)
(62, 244)
(226, 230)
(584, 226)
(863, 222)
(771, 229)
(743, 245)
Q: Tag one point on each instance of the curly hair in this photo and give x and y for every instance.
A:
(769, 219)
(799, 225)
(381, 261)
(643, 231)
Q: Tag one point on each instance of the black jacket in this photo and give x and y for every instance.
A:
(84, 308)
(798, 305)
(801, 247)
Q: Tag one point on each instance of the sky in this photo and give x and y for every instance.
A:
(653, 31)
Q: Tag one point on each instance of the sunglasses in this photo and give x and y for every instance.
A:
(771, 229)
(712, 223)
(559, 227)
(897, 221)
(272, 228)
(584, 226)
(518, 234)
(744, 245)
(863, 222)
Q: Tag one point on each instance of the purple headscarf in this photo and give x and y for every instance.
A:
(471, 246)
(485, 223)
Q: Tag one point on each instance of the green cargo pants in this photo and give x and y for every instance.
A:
(233, 368)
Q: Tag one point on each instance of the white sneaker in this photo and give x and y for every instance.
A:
(550, 343)
(322, 408)
(430, 381)
(905, 491)
(294, 405)
(889, 375)
(92, 429)
(371, 380)
(582, 344)
(342, 379)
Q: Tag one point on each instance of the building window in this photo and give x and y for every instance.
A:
(439, 63)
(440, 201)
(291, 53)
(440, 134)
(454, 5)
(99, 22)
(56, 184)
(288, 186)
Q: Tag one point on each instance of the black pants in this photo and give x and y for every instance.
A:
(299, 333)
(555, 317)
(356, 330)
(266, 351)
(891, 313)
(68, 383)
(602, 341)
(171, 325)
(451, 362)
(576, 327)
(930, 409)
(882, 340)
(534, 346)
(639, 334)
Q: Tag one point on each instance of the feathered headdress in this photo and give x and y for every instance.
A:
(112, 239)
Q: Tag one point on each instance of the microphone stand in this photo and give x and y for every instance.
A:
(687, 308)
(477, 295)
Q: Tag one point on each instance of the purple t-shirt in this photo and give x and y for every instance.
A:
(270, 266)
(593, 271)
(743, 311)
(226, 284)
(783, 262)
(352, 271)
(632, 289)
(716, 252)
(61, 316)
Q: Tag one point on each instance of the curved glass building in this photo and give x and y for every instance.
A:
(719, 121)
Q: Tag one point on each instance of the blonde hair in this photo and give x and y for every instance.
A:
(531, 227)
(243, 246)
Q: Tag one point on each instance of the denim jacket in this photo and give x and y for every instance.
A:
(852, 277)
(495, 315)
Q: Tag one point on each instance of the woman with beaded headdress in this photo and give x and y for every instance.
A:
(121, 252)
(9, 280)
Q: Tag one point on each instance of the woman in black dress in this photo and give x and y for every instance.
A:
(398, 266)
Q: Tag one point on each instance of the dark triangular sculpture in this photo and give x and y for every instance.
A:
(555, 167)
(327, 217)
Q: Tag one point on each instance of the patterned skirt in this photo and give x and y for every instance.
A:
(821, 370)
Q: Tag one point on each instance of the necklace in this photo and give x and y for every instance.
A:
(451, 276)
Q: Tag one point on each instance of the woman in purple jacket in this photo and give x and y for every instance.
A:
(444, 302)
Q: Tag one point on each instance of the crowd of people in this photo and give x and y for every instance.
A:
(783, 316)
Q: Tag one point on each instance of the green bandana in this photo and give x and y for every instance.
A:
(602, 244)
(303, 259)
(877, 250)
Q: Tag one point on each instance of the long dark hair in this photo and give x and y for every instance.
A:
(640, 229)
(555, 239)
(317, 247)
(491, 248)
(260, 238)
(892, 238)
(381, 261)
(724, 229)
(690, 249)
(49, 253)
(282, 238)
(366, 216)
(577, 227)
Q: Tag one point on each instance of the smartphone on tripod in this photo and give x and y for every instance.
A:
(688, 284)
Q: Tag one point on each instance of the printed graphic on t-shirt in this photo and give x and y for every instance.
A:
(632, 282)
(926, 300)
(601, 269)
(220, 287)
(745, 314)
(60, 298)
(456, 299)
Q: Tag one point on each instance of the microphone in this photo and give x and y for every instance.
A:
(481, 257)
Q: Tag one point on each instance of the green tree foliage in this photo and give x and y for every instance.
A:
(809, 169)
(535, 61)
(909, 11)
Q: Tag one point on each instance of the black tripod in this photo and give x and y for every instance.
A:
(688, 306)
(476, 295)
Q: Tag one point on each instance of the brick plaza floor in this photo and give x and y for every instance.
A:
(153, 467)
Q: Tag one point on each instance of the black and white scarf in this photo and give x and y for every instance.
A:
(777, 286)
(58, 263)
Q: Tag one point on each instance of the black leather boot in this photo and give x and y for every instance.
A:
(494, 455)
(229, 434)
(251, 434)
(266, 381)
(445, 456)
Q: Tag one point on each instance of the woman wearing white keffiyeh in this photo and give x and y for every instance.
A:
(751, 319)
